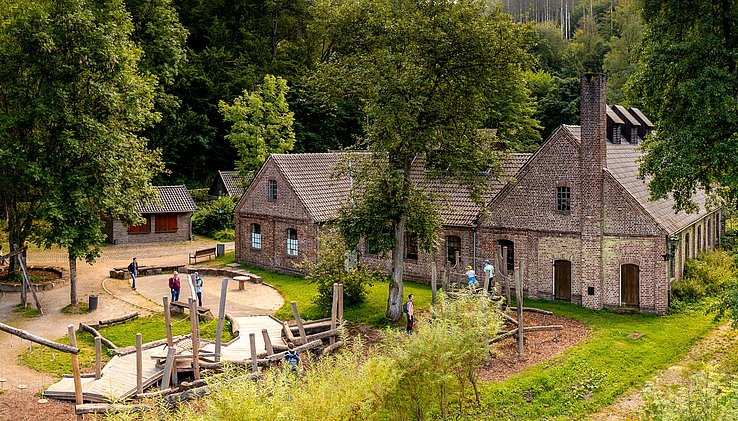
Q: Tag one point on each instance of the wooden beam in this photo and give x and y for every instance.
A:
(108, 408)
(507, 334)
(288, 332)
(120, 319)
(187, 395)
(194, 322)
(334, 309)
(27, 280)
(98, 356)
(519, 304)
(434, 282)
(267, 342)
(221, 317)
(97, 334)
(139, 364)
(254, 357)
(39, 340)
(296, 313)
(168, 368)
(340, 302)
(75, 369)
(168, 321)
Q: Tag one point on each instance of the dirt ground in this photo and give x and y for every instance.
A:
(539, 346)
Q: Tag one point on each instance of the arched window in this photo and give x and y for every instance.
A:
(292, 242)
(709, 232)
(699, 239)
(256, 236)
(687, 250)
(411, 247)
(510, 253)
(453, 247)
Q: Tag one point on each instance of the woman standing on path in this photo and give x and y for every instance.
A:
(174, 284)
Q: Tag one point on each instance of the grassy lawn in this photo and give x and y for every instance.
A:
(151, 328)
(592, 374)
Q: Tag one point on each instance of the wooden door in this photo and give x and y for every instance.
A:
(562, 280)
(629, 287)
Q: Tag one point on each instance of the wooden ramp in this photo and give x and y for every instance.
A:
(117, 381)
(240, 349)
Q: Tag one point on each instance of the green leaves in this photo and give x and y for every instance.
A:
(687, 82)
(262, 123)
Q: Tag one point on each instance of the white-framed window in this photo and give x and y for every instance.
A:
(256, 236)
(272, 190)
(292, 242)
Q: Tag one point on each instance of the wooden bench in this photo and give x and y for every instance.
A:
(209, 253)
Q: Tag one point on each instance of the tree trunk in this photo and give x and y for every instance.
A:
(72, 279)
(394, 301)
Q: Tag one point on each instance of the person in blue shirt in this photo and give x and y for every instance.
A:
(292, 358)
(198, 289)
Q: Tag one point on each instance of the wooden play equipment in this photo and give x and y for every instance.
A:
(260, 341)
(20, 255)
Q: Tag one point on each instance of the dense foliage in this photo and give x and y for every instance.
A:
(215, 219)
(705, 276)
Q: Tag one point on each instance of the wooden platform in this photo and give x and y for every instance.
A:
(240, 349)
(118, 377)
(117, 381)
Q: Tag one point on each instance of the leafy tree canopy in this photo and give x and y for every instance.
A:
(428, 75)
(262, 123)
(688, 83)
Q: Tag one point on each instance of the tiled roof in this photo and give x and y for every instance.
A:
(171, 199)
(233, 182)
(311, 176)
(623, 161)
(640, 116)
(457, 207)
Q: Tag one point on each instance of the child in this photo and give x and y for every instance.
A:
(472, 276)
(490, 271)
(293, 358)
(408, 309)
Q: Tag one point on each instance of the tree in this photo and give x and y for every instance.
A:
(687, 81)
(73, 100)
(588, 47)
(427, 74)
(622, 59)
(262, 123)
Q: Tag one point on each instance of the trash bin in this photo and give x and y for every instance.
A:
(219, 249)
(93, 302)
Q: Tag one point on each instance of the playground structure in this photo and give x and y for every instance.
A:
(259, 341)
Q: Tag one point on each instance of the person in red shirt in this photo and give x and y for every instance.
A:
(408, 307)
(174, 285)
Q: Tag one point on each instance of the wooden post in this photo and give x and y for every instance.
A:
(267, 342)
(23, 284)
(505, 275)
(334, 311)
(221, 317)
(340, 302)
(168, 322)
(98, 356)
(486, 281)
(168, 366)
(457, 259)
(434, 281)
(139, 364)
(519, 302)
(27, 280)
(75, 369)
(254, 358)
(296, 313)
(194, 322)
(444, 280)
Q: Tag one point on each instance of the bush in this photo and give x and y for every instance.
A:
(200, 196)
(705, 276)
(214, 217)
(709, 396)
(224, 235)
(332, 268)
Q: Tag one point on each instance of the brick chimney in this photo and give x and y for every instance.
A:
(592, 153)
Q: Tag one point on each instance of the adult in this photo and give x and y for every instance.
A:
(408, 308)
(198, 288)
(489, 271)
(133, 270)
(471, 276)
(174, 285)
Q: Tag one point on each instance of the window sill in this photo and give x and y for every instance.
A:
(139, 233)
(165, 232)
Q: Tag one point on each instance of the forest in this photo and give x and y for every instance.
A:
(203, 52)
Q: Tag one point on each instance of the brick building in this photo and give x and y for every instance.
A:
(575, 212)
(170, 215)
(580, 218)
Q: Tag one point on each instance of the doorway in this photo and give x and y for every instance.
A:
(562, 280)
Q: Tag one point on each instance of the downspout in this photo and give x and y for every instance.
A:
(475, 224)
